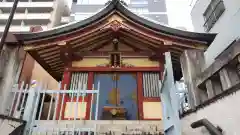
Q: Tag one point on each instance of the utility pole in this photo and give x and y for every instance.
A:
(9, 21)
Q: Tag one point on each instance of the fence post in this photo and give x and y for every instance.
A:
(28, 111)
(29, 105)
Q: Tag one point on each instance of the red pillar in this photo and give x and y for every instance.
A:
(140, 94)
(89, 96)
(66, 80)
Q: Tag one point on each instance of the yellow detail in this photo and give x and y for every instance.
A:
(134, 95)
(70, 109)
(113, 96)
(114, 111)
(201, 47)
(148, 112)
(134, 75)
(115, 18)
(26, 48)
(90, 62)
(141, 62)
(115, 77)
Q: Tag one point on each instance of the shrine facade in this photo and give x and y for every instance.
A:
(119, 49)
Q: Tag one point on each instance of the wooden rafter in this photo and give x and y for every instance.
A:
(136, 49)
(50, 53)
(88, 35)
(161, 35)
(95, 39)
(45, 65)
(101, 44)
(132, 39)
(50, 49)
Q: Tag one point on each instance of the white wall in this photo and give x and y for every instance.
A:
(227, 26)
(223, 113)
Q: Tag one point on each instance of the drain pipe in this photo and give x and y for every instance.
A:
(209, 126)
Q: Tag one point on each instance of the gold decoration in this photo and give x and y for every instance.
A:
(26, 48)
(113, 97)
(134, 95)
(134, 75)
(114, 111)
(115, 77)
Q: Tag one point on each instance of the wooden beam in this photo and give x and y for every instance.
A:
(109, 69)
(93, 40)
(130, 38)
(49, 49)
(51, 57)
(45, 65)
(136, 49)
(101, 44)
(156, 34)
(50, 53)
(106, 53)
(139, 38)
(88, 36)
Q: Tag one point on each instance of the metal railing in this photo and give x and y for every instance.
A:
(36, 105)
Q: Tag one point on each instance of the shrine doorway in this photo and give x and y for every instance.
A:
(118, 96)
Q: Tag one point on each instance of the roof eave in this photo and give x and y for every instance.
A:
(117, 5)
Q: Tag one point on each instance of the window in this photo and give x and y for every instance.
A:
(140, 10)
(213, 13)
(92, 2)
(142, 2)
(79, 16)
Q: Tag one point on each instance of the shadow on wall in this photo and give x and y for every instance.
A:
(11, 126)
(41, 75)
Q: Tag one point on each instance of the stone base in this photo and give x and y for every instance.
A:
(100, 126)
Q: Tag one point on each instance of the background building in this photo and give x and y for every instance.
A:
(53, 13)
(31, 13)
(150, 9)
(217, 16)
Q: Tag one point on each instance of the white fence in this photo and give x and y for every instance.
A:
(40, 104)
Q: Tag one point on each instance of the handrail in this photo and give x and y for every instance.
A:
(209, 126)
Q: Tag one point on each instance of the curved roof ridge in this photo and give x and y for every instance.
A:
(68, 24)
(119, 6)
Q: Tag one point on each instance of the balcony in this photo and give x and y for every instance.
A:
(27, 19)
(20, 28)
(66, 19)
(37, 7)
(29, 16)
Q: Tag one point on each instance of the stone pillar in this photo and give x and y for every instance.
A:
(210, 88)
(12, 60)
(192, 63)
(214, 87)
(229, 76)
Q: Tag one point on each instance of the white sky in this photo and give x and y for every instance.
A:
(179, 13)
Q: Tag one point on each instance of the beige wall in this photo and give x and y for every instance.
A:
(77, 109)
(224, 113)
(41, 75)
(137, 62)
(150, 113)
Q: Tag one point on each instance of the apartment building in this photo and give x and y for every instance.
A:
(31, 13)
(217, 16)
(154, 10)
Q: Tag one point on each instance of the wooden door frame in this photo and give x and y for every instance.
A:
(92, 70)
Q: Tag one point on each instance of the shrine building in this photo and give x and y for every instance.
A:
(119, 49)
